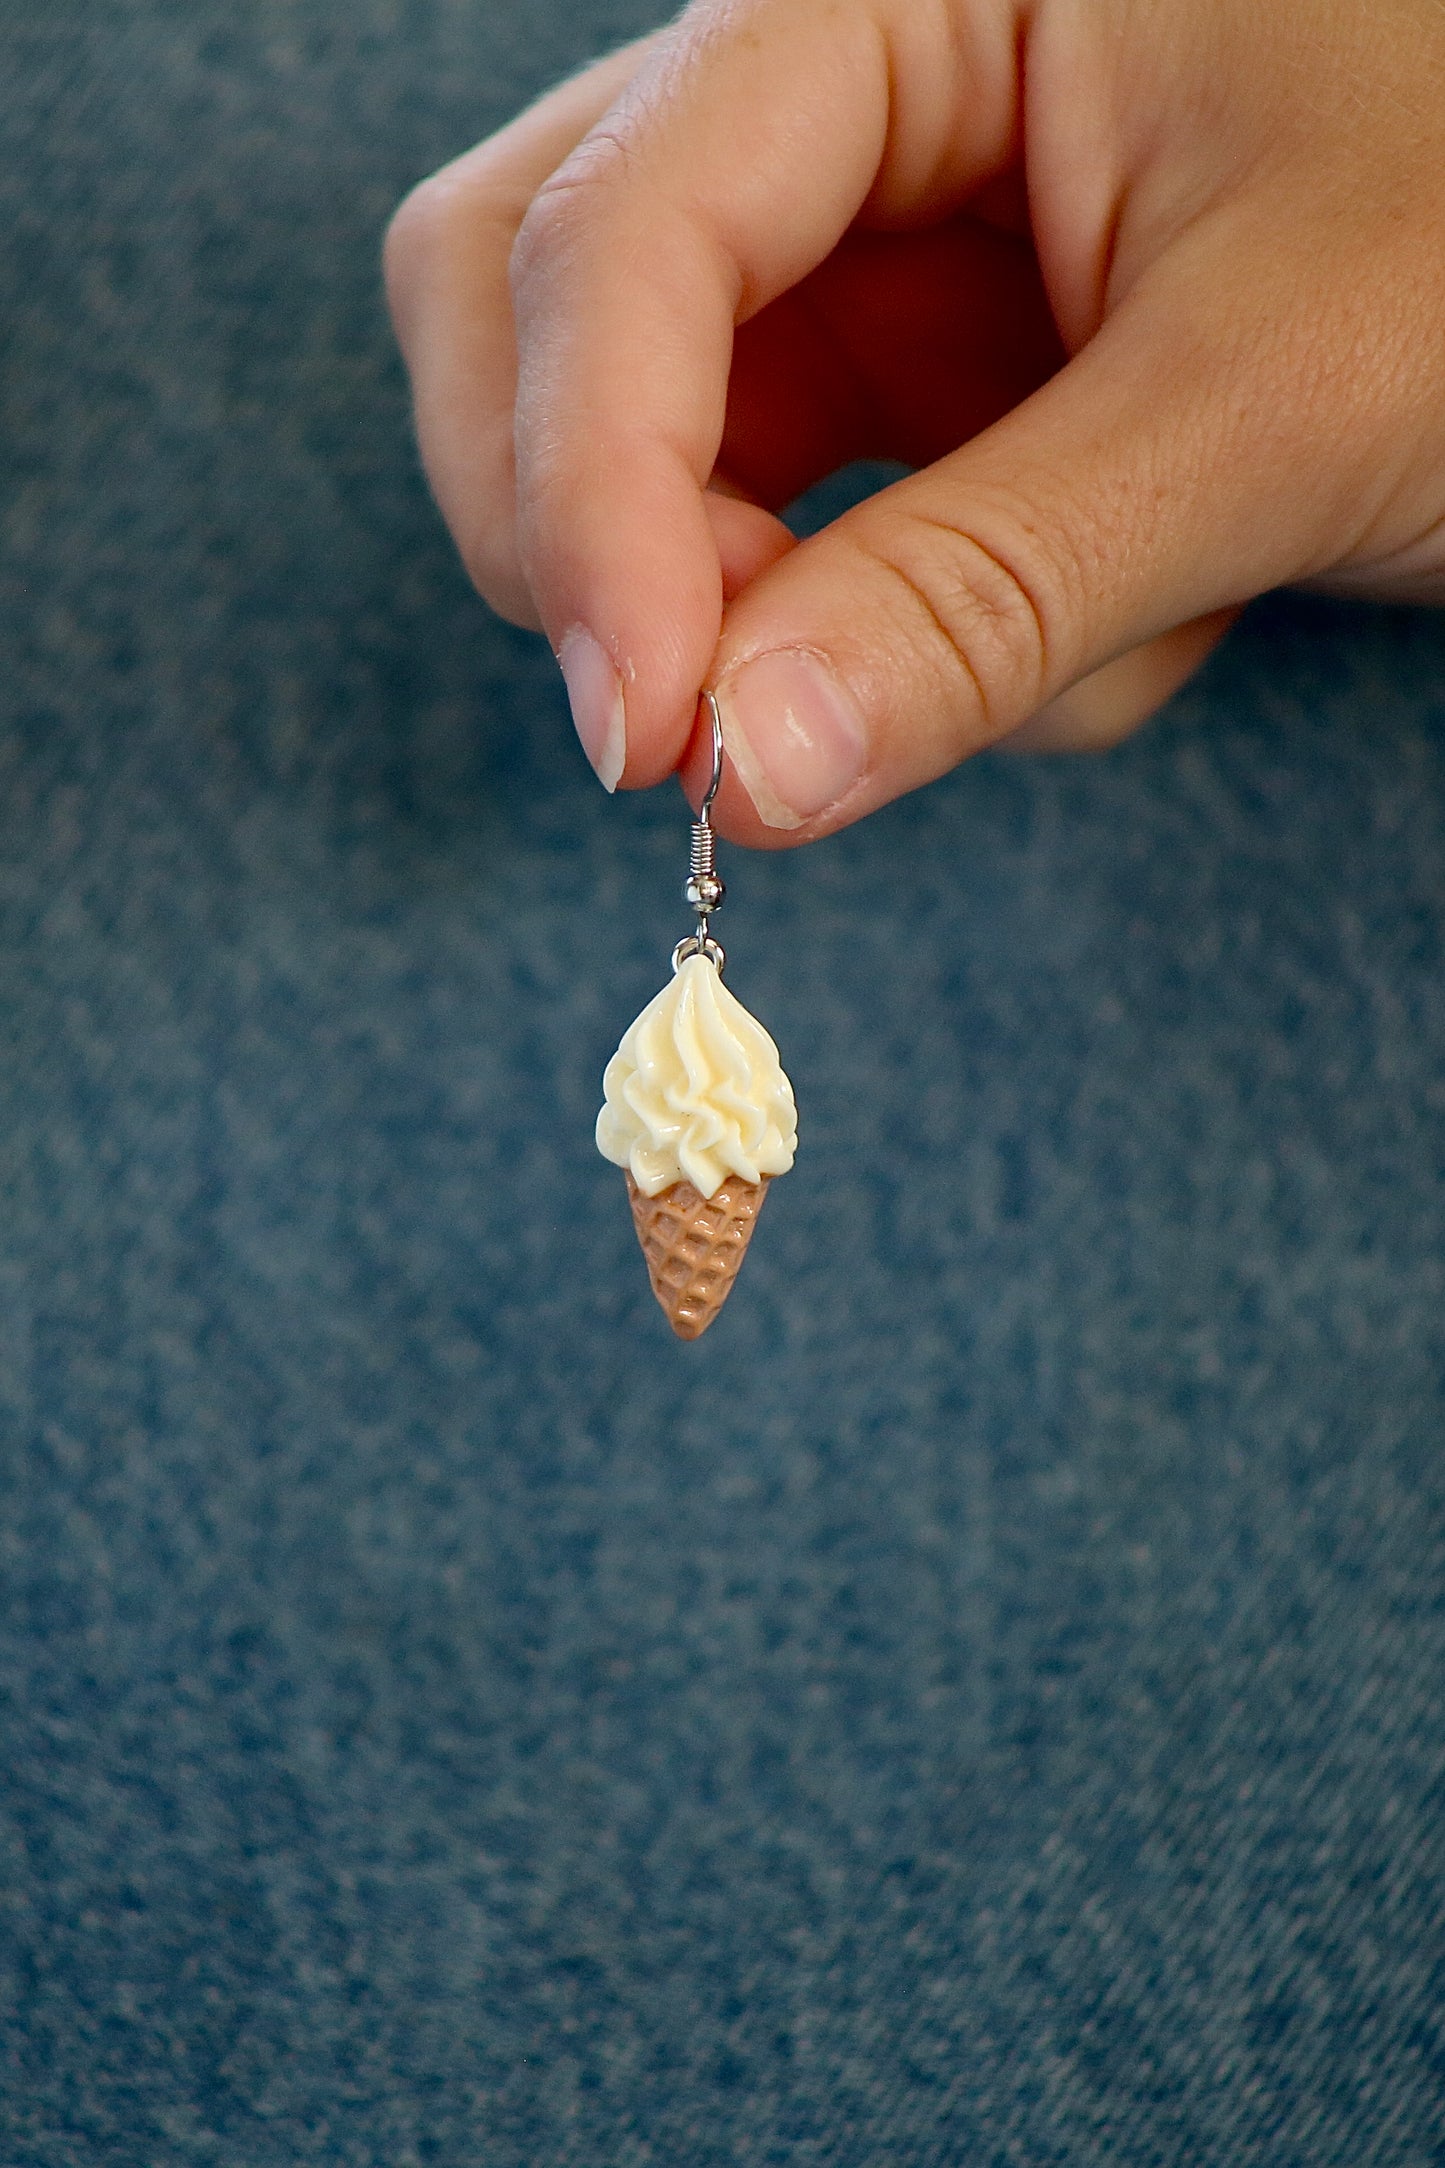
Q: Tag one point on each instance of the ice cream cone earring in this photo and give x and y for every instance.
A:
(697, 1109)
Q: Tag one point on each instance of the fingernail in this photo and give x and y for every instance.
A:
(595, 691)
(796, 738)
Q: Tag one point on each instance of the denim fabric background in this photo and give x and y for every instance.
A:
(983, 1704)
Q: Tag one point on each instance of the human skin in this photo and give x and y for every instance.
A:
(1150, 294)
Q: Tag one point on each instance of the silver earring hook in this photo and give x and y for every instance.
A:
(702, 888)
(717, 755)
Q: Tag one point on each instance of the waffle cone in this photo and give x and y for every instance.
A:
(694, 1245)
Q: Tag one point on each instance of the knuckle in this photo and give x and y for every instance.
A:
(452, 214)
(419, 237)
(405, 239)
(417, 222)
(993, 607)
(568, 200)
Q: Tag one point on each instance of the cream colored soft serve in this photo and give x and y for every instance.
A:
(696, 1091)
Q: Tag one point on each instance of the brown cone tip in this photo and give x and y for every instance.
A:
(694, 1245)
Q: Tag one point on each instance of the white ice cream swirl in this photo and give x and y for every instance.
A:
(696, 1091)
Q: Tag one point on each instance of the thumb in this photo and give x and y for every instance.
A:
(1171, 470)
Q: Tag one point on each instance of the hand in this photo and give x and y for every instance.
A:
(1151, 295)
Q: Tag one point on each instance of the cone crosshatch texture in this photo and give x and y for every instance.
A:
(694, 1246)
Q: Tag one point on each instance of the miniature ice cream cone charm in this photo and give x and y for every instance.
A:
(698, 1111)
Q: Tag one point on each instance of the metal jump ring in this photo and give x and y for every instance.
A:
(699, 944)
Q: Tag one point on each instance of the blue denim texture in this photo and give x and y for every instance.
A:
(981, 1705)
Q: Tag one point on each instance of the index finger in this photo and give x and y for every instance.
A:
(446, 255)
(730, 166)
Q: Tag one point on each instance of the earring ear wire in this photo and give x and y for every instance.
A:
(703, 889)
